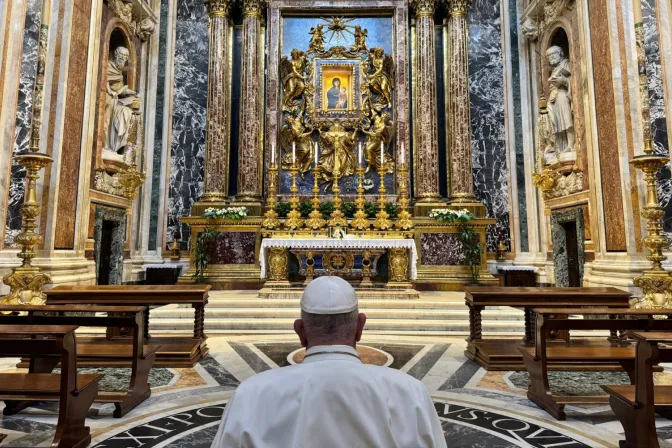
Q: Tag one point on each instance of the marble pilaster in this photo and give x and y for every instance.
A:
(459, 116)
(218, 118)
(426, 132)
(251, 118)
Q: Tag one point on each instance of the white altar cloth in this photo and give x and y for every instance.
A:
(334, 243)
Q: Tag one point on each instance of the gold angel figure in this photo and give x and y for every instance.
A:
(380, 78)
(336, 159)
(317, 41)
(295, 131)
(293, 79)
(380, 132)
(360, 39)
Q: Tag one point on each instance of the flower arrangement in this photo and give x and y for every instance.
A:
(234, 213)
(448, 215)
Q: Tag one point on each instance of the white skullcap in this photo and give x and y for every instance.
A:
(329, 295)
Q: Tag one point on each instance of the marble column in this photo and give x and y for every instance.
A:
(426, 127)
(251, 118)
(459, 115)
(217, 130)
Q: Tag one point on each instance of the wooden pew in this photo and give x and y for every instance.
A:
(502, 354)
(588, 354)
(131, 352)
(74, 392)
(175, 351)
(636, 405)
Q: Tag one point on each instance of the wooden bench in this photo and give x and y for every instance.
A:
(593, 354)
(636, 405)
(175, 351)
(74, 392)
(98, 352)
(502, 354)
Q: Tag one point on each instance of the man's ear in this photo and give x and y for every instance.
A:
(361, 321)
(301, 332)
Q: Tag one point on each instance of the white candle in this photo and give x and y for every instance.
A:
(360, 154)
(293, 153)
(273, 154)
(402, 155)
(316, 149)
(382, 154)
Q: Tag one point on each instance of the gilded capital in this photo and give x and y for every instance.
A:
(218, 8)
(458, 7)
(252, 7)
(423, 8)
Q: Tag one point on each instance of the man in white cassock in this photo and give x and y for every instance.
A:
(331, 399)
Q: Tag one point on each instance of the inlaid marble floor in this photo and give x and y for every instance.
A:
(477, 408)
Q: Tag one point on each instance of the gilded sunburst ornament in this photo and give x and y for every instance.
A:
(338, 27)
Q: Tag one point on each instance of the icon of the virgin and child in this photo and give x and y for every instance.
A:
(337, 96)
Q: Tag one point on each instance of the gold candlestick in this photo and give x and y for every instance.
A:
(271, 220)
(361, 220)
(382, 221)
(405, 219)
(337, 216)
(294, 220)
(315, 220)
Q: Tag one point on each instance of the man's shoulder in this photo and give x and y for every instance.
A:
(267, 378)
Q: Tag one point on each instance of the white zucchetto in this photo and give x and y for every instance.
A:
(329, 295)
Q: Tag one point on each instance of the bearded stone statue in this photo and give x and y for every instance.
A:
(560, 99)
(118, 104)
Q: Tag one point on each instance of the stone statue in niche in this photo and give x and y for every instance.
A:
(120, 104)
(293, 79)
(336, 159)
(560, 101)
(379, 78)
(380, 132)
(295, 131)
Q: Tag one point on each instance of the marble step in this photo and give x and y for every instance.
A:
(372, 313)
(268, 324)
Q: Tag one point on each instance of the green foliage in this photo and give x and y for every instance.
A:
(392, 210)
(326, 208)
(282, 208)
(349, 209)
(202, 251)
(370, 209)
(472, 250)
(305, 208)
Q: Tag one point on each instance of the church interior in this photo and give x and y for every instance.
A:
(492, 176)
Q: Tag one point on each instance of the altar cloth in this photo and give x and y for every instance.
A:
(334, 243)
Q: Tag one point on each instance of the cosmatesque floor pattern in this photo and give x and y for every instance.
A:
(477, 408)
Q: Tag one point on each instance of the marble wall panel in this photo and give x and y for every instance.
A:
(612, 193)
(234, 248)
(159, 127)
(440, 249)
(22, 126)
(657, 103)
(189, 105)
(489, 157)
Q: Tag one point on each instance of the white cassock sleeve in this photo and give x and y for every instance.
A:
(222, 439)
(433, 435)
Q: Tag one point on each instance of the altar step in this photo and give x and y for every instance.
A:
(242, 312)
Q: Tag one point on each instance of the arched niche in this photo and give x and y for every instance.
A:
(558, 34)
(117, 33)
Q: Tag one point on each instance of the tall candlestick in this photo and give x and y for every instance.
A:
(293, 153)
(360, 153)
(316, 149)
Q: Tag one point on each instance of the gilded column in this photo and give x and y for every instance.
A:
(459, 114)
(217, 127)
(426, 133)
(251, 119)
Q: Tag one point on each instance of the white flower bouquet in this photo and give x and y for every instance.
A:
(448, 215)
(233, 213)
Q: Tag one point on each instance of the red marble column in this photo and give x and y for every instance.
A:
(217, 128)
(251, 118)
(426, 133)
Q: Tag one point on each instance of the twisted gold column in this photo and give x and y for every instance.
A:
(26, 281)
(459, 113)
(250, 159)
(426, 127)
(217, 127)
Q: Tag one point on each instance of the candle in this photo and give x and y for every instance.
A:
(273, 154)
(293, 153)
(382, 154)
(360, 154)
(402, 154)
(316, 149)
